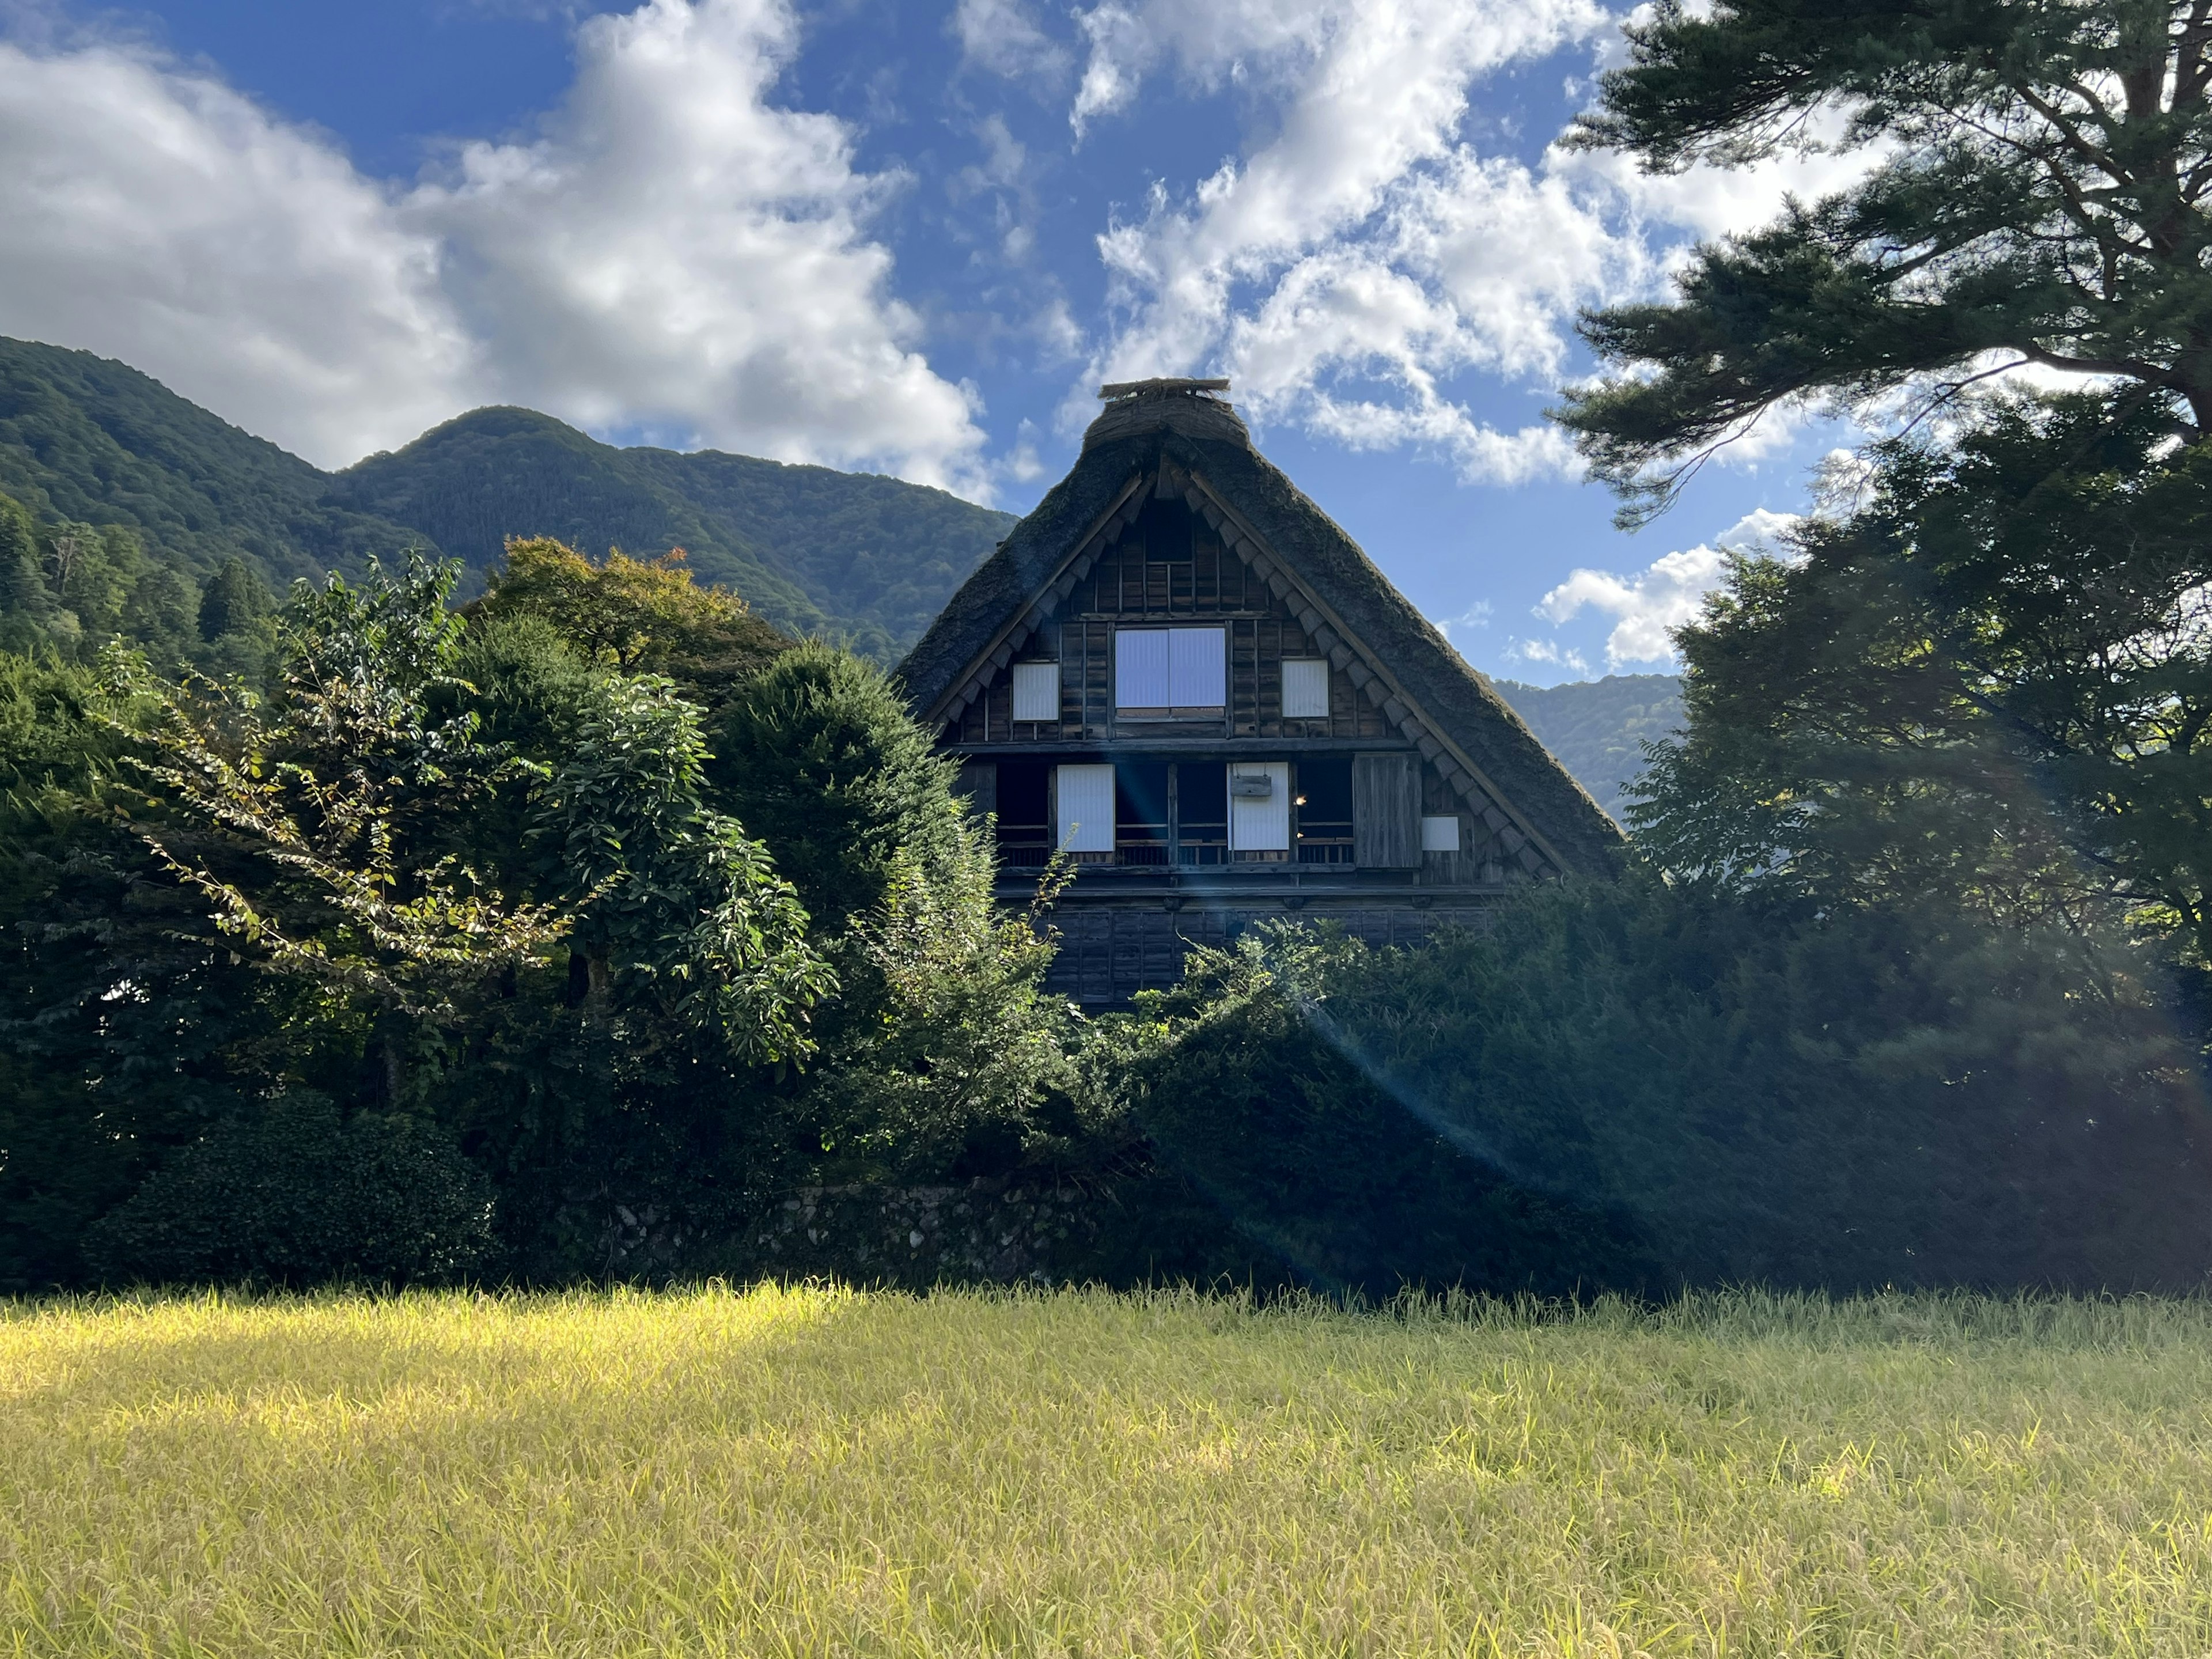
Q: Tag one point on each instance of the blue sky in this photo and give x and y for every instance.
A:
(908, 238)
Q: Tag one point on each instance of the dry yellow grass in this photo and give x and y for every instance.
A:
(801, 1472)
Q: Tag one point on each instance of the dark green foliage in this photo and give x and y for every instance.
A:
(821, 760)
(290, 1195)
(501, 910)
(1989, 685)
(162, 617)
(1246, 1090)
(1597, 728)
(1674, 1087)
(234, 600)
(118, 1006)
(26, 608)
(2038, 197)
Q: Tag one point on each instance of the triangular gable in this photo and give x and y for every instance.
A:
(1394, 658)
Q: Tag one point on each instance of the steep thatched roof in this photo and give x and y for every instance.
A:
(1366, 624)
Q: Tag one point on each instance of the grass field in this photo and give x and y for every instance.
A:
(799, 1472)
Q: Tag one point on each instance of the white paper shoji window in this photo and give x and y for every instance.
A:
(1170, 668)
(1305, 688)
(1036, 690)
(1198, 667)
(1440, 833)
(1085, 794)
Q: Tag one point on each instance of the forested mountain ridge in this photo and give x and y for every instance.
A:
(864, 559)
(87, 439)
(1597, 728)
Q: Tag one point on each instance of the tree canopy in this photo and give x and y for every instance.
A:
(2034, 194)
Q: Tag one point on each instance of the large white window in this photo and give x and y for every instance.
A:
(1305, 688)
(1036, 690)
(1086, 809)
(1259, 807)
(1184, 670)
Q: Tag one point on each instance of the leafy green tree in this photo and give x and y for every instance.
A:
(160, 615)
(233, 601)
(959, 1051)
(336, 820)
(686, 907)
(321, 812)
(1993, 682)
(2034, 194)
(92, 569)
(1982, 675)
(641, 615)
(121, 1009)
(819, 758)
(27, 606)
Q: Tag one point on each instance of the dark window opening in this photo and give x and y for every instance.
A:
(1322, 792)
(1025, 813)
(1167, 528)
(1202, 812)
(1140, 812)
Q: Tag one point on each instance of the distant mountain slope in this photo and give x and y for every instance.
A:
(86, 438)
(865, 546)
(494, 473)
(1598, 728)
(864, 559)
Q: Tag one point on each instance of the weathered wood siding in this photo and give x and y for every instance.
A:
(1386, 812)
(1169, 567)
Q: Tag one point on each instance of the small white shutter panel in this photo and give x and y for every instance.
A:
(1260, 824)
(1440, 834)
(1305, 688)
(1036, 691)
(1086, 809)
(1198, 667)
(1140, 668)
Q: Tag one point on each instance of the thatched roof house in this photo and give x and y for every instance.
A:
(1185, 672)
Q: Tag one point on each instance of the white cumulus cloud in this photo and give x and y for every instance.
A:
(670, 251)
(1647, 605)
(677, 253)
(155, 215)
(1369, 252)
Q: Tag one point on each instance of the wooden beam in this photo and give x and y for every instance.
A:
(1133, 388)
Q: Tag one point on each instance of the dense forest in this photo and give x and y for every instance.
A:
(863, 560)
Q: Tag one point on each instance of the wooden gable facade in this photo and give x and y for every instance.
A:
(1181, 672)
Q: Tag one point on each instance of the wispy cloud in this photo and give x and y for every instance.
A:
(1647, 605)
(1368, 254)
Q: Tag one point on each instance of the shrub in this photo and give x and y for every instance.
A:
(293, 1195)
(1857, 1099)
(1245, 1089)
